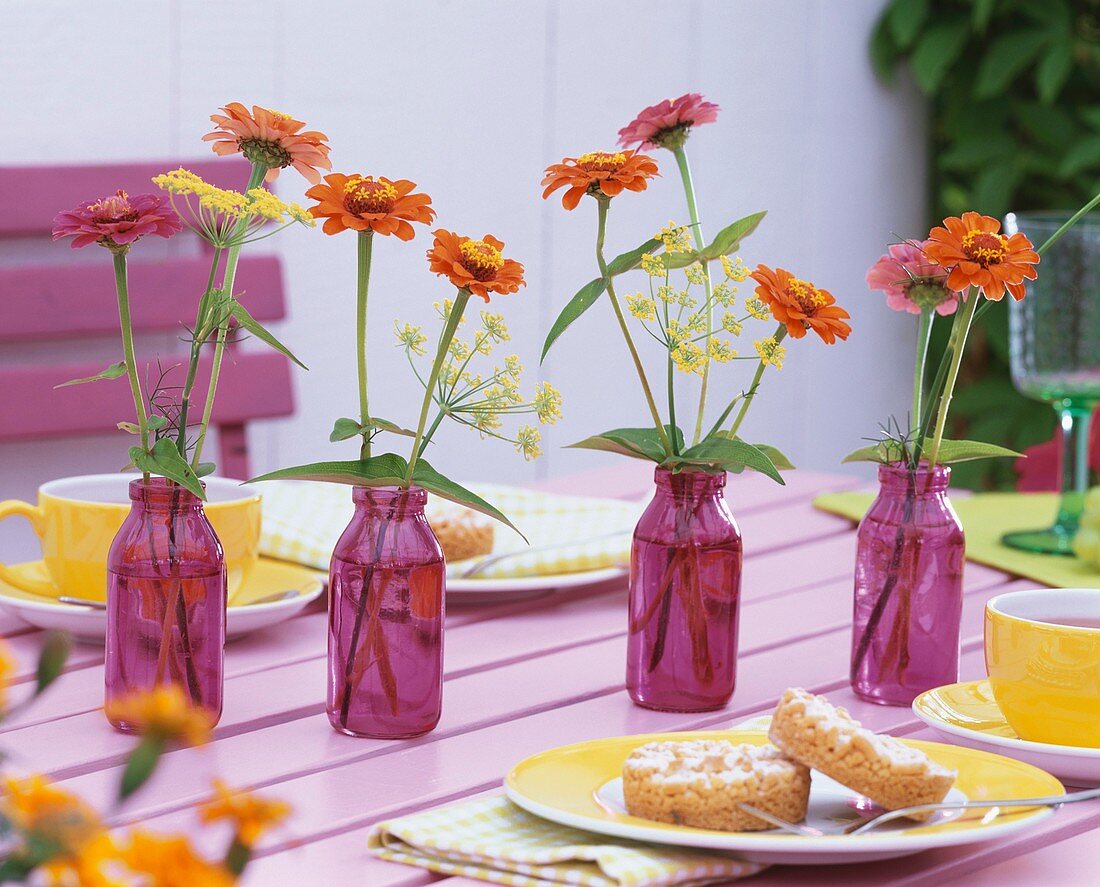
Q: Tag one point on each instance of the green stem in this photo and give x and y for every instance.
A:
(259, 170)
(365, 241)
(449, 329)
(428, 434)
(122, 291)
(602, 203)
(779, 335)
(924, 333)
(963, 321)
(697, 233)
(198, 336)
(1069, 223)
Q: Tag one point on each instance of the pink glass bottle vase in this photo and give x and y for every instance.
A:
(166, 598)
(908, 588)
(685, 587)
(386, 604)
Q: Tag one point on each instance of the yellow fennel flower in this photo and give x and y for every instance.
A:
(771, 352)
(641, 307)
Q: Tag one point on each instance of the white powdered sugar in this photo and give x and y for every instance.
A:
(712, 759)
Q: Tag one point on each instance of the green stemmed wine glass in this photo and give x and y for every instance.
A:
(1054, 343)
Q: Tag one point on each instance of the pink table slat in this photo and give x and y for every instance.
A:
(523, 676)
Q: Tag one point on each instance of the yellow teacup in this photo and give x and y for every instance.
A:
(77, 517)
(1042, 652)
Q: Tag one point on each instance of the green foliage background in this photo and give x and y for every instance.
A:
(1014, 95)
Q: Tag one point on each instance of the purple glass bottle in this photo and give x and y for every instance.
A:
(385, 639)
(908, 588)
(166, 598)
(685, 589)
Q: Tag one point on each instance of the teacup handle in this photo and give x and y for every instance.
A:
(16, 507)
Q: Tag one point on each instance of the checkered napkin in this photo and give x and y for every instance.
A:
(491, 839)
(302, 521)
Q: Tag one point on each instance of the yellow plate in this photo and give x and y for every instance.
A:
(580, 786)
(301, 585)
(967, 714)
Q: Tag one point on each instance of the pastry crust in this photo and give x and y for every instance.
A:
(810, 730)
(700, 784)
(462, 533)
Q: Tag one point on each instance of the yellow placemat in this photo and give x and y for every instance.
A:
(302, 521)
(985, 518)
(491, 839)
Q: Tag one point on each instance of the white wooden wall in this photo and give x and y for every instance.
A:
(471, 99)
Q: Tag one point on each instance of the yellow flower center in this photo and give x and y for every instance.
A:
(365, 195)
(808, 296)
(984, 248)
(602, 161)
(115, 208)
(279, 115)
(481, 259)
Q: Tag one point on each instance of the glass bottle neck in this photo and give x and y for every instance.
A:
(688, 486)
(390, 502)
(161, 494)
(898, 479)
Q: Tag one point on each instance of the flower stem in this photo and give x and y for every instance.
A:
(924, 333)
(779, 335)
(602, 204)
(259, 170)
(449, 328)
(963, 320)
(122, 291)
(198, 335)
(697, 233)
(365, 241)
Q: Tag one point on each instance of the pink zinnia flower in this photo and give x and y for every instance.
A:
(666, 124)
(911, 281)
(269, 137)
(117, 221)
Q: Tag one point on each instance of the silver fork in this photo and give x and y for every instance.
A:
(494, 559)
(859, 828)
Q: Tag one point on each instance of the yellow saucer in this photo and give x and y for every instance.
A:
(581, 786)
(268, 579)
(967, 714)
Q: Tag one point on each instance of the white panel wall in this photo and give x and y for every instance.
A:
(472, 99)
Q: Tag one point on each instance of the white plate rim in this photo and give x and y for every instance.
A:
(909, 841)
(1028, 745)
(536, 583)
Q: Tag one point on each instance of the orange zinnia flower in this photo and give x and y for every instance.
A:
(476, 265)
(269, 137)
(800, 305)
(598, 173)
(977, 254)
(364, 203)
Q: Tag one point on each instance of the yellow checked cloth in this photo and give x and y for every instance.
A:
(302, 521)
(491, 839)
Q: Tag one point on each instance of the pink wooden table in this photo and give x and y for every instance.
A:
(522, 677)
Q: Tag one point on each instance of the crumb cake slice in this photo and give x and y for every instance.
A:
(892, 774)
(700, 784)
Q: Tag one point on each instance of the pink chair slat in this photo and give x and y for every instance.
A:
(79, 300)
(252, 385)
(30, 196)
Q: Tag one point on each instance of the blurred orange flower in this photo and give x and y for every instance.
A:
(269, 137)
(170, 861)
(475, 265)
(605, 173)
(364, 203)
(800, 305)
(165, 712)
(250, 815)
(977, 254)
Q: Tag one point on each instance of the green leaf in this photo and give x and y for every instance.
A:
(165, 459)
(431, 480)
(778, 459)
(721, 452)
(981, 14)
(155, 423)
(51, 660)
(679, 259)
(247, 322)
(1009, 55)
(638, 443)
(995, 185)
(344, 428)
(607, 445)
(1054, 70)
(140, 765)
(629, 261)
(205, 468)
(884, 51)
(968, 450)
(128, 427)
(939, 48)
(112, 372)
(905, 18)
(729, 239)
(1083, 154)
(885, 452)
(386, 470)
(391, 427)
(584, 299)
